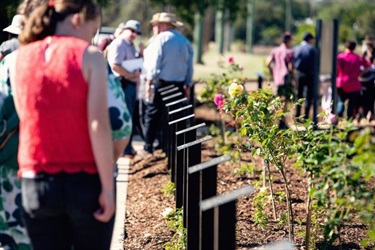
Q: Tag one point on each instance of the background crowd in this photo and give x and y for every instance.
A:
(67, 111)
(293, 71)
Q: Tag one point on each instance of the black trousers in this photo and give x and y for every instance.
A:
(155, 117)
(305, 82)
(59, 212)
(368, 97)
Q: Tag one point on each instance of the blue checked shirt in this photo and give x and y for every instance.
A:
(169, 57)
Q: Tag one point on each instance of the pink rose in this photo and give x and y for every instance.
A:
(219, 101)
(231, 60)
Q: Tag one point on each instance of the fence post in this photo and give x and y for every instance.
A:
(177, 125)
(224, 223)
(200, 229)
(171, 133)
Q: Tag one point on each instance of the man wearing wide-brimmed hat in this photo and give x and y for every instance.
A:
(14, 29)
(169, 61)
(368, 48)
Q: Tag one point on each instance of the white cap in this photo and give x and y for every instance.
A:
(15, 27)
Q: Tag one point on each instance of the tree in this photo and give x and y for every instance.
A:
(356, 18)
(7, 11)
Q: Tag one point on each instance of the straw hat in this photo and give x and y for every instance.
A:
(155, 19)
(369, 39)
(169, 18)
(15, 26)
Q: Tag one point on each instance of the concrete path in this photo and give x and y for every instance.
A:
(122, 185)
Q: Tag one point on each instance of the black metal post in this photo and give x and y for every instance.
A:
(171, 133)
(199, 227)
(318, 45)
(223, 208)
(177, 125)
(334, 64)
(191, 155)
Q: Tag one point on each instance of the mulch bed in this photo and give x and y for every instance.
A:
(146, 228)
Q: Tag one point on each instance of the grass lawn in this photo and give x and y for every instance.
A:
(252, 63)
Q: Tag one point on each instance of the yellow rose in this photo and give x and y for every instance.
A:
(235, 89)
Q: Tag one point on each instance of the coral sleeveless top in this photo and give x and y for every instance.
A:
(53, 97)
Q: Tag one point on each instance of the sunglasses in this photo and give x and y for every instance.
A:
(134, 31)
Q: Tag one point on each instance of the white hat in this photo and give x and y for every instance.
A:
(134, 25)
(15, 27)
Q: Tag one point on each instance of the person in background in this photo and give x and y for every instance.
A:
(304, 65)
(279, 63)
(107, 41)
(349, 67)
(141, 92)
(65, 150)
(169, 60)
(367, 79)
(14, 30)
(123, 49)
(368, 52)
(13, 233)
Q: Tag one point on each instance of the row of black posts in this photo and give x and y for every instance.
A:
(209, 218)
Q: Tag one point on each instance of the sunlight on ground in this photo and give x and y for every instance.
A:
(252, 63)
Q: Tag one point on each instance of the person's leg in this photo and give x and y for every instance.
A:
(368, 97)
(341, 102)
(309, 80)
(82, 195)
(353, 99)
(46, 222)
(130, 92)
(300, 88)
(152, 120)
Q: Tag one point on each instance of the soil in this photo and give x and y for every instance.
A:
(146, 228)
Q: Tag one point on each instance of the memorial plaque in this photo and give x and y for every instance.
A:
(225, 198)
(173, 126)
(224, 225)
(200, 234)
(169, 104)
(180, 109)
(169, 91)
(181, 119)
(171, 96)
(166, 87)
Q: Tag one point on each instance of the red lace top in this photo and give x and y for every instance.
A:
(54, 135)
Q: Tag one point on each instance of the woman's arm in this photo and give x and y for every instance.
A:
(95, 71)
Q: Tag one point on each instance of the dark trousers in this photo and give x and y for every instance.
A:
(59, 212)
(305, 82)
(353, 102)
(368, 97)
(130, 91)
(155, 117)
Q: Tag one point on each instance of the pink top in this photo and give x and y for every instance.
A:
(54, 134)
(281, 56)
(349, 66)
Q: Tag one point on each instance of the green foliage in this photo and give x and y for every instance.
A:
(168, 189)
(259, 200)
(175, 223)
(340, 172)
(359, 13)
(244, 169)
(340, 163)
(219, 83)
(301, 29)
